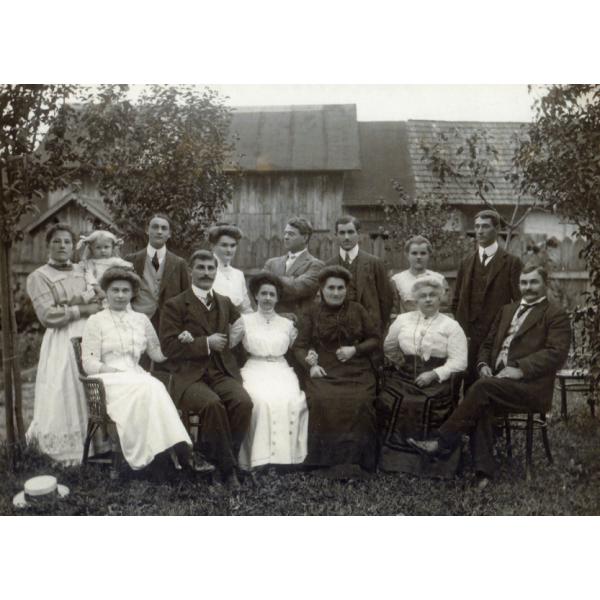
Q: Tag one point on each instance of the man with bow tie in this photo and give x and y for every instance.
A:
(517, 363)
(486, 280)
(194, 334)
(298, 270)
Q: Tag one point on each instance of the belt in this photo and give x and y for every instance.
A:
(268, 358)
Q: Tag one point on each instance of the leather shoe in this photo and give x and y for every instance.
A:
(482, 482)
(198, 464)
(425, 447)
(232, 482)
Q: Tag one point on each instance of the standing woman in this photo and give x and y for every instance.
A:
(336, 340)
(56, 290)
(229, 281)
(418, 251)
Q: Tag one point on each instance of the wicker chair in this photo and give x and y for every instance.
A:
(97, 416)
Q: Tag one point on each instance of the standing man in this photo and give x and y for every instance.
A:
(194, 334)
(517, 363)
(163, 273)
(486, 281)
(298, 270)
(370, 285)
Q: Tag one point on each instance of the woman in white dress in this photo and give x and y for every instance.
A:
(114, 339)
(56, 290)
(418, 250)
(229, 281)
(279, 426)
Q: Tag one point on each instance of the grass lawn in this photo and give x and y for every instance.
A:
(571, 486)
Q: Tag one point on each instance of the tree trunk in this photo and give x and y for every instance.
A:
(7, 351)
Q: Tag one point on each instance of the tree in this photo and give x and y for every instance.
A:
(28, 170)
(561, 169)
(164, 153)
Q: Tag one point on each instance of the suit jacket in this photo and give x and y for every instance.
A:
(300, 283)
(188, 362)
(502, 288)
(373, 287)
(539, 348)
(175, 277)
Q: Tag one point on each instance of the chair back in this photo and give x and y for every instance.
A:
(76, 343)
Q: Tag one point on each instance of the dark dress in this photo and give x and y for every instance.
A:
(341, 424)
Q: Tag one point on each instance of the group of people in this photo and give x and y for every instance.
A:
(342, 368)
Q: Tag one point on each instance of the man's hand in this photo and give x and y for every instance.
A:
(485, 371)
(217, 341)
(185, 337)
(317, 371)
(345, 353)
(510, 373)
(427, 378)
(87, 310)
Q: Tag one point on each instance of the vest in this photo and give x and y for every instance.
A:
(215, 365)
(146, 300)
(478, 285)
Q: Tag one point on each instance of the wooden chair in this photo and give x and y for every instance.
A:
(527, 422)
(95, 395)
(574, 380)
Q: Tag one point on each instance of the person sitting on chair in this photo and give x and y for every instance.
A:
(517, 363)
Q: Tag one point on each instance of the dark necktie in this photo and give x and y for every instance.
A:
(484, 257)
(209, 301)
(155, 262)
(523, 309)
(346, 261)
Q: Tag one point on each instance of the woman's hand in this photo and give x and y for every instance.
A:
(312, 358)
(107, 369)
(427, 378)
(185, 337)
(345, 353)
(317, 371)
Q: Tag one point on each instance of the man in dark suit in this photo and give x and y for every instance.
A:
(194, 334)
(298, 270)
(370, 285)
(486, 281)
(517, 363)
(163, 273)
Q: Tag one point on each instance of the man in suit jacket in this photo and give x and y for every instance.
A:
(370, 285)
(486, 281)
(298, 270)
(194, 334)
(517, 364)
(163, 273)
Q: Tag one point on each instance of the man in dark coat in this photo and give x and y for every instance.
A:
(163, 273)
(486, 281)
(194, 334)
(370, 285)
(517, 363)
(298, 270)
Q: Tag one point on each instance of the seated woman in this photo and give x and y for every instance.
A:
(278, 429)
(418, 251)
(425, 347)
(336, 340)
(113, 340)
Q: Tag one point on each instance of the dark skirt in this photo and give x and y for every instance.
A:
(404, 410)
(341, 424)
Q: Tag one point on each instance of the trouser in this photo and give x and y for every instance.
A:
(485, 399)
(224, 410)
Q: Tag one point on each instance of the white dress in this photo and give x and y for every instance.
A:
(60, 410)
(279, 426)
(231, 282)
(147, 421)
(403, 283)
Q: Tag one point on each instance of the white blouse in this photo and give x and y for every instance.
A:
(414, 334)
(262, 338)
(231, 282)
(118, 339)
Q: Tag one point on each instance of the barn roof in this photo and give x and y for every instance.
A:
(503, 136)
(296, 138)
(86, 203)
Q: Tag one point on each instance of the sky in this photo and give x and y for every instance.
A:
(396, 102)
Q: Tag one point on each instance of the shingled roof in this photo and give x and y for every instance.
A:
(503, 136)
(296, 138)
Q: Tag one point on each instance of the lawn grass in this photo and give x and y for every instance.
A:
(571, 486)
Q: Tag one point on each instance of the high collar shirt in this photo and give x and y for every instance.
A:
(490, 252)
(162, 252)
(351, 254)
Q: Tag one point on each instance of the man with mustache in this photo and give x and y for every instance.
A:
(194, 334)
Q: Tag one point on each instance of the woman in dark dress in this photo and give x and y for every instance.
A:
(336, 340)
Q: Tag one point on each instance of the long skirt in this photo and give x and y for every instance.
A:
(146, 418)
(279, 425)
(341, 428)
(60, 411)
(404, 410)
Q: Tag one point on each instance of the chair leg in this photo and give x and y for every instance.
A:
(592, 403)
(91, 429)
(563, 399)
(507, 437)
(529, 446)
(545, 439)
